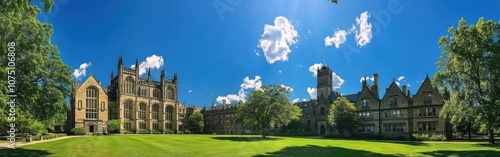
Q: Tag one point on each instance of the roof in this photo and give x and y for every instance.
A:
(352, 97)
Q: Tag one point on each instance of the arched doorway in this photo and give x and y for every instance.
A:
(91, 128)
(322, 130)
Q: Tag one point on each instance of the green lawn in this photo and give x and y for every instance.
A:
(225, 145)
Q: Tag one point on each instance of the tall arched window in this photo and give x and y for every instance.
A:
(155, 111)
(170, 93)
(169, 113)
(91, 95)
(144, 91)
(129, 85)
(142, 111)
(157, 93)
(127, 109)
(322, 111)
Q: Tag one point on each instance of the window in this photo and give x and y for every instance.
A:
(155, 126)
(142, 111)
(322, 111)
(394, 128)
(156, 93)
(155, 111)
(427, 112)
(168, 126)
(127, 109)
(366, 115)
(142, 125)
(422, 112)
(144, 91)
(366, 103)
(91, 103)
(431, 111)
(395, 114)
(79, 104)
(129, 85)
(102, 106)
(170, 93)
(366, 129)
(127, 125)
(168, 113)
(427, 126)
(428, 99)
(394, 102)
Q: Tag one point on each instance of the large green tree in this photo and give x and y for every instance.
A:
(113, 125)
(196, 122)
(470, 66)
(267, 107)
(342, 116)
(43, 81)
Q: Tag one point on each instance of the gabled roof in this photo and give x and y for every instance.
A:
(393, 85)
(427, 82)
(77, 86)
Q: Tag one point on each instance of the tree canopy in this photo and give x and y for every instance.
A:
(195, 122)
(342, 116)
(267, 107)
(469, 66)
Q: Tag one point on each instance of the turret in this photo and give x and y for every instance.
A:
(112, 75)
(149, 74)
(175, 78)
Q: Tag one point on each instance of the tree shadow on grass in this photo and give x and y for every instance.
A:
(412, 143)
(318, 151)
(467, 153)
(497, 145)
(21, 152)
(246, 139)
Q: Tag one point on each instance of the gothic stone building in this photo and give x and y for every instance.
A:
(140, 103)
(222, 119)
(396, 113)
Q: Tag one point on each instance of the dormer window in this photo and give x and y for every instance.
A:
(366, 103)
(428, 99)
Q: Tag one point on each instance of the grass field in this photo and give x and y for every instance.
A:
(225, 145)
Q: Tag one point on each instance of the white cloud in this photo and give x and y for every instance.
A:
(401, 78)
(314, 68)
(397, 83)
(408, 85)
(337, 81)
(154, 62)
(251, 83)
(295, 100)
(190, 91)
(338, 38)
(287, 87)
(276, 40)
(352, 29)
(367, 78)
(312, 92)
(304, 99)
(279, 71)
(364, 35)
(82, 71)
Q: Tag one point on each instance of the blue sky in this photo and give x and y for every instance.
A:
(214, 45)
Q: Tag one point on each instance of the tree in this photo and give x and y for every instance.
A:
(267, 107)
(343, 116)
(113, 125)
(469, 65)
(462, 114)
(196, 122)
(43, 81)
(294, 125)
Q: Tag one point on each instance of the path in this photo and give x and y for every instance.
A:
(18, 144)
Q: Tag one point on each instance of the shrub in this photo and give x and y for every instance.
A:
(36, 137)
(180, 132)
(127, 132)
(214, 133)
(78, 131)
(156, 132)
(394, 137)
(187, 131)
(49, 136)
(144, 131)
(435, 137)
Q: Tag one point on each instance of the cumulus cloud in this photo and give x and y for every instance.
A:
(276, 40)
(255, 83)
(364, 35)
(154, 62)
(190, 91)
(312, 92)
(367, 78)
(248, 83)
(82, 71)
(400, 79)
(338, 38)
(295, 100)
(314, 68)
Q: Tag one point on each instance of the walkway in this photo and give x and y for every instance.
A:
(18, 144)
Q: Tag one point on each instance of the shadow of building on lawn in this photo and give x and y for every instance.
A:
(246, 139)
(318, 151)
(466, 153)
(21, 152)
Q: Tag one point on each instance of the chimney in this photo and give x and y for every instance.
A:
(404, 91)
(213, 104)
(223, 102)
(375, 84)
(363, 83)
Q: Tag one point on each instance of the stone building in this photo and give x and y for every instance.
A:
(222, 119)
(140, 103)
(89, 107)
(397, 112)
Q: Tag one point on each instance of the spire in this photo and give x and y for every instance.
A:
(427, 75)
(149, 74)
(136, 63)
(112, 75)
(162, 74)
(175, 76)
(120, 60)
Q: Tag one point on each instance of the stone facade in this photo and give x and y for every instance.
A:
(89, 107)
(396, 113)
(222, 119)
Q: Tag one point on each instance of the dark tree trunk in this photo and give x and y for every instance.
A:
(469, 134)
(492, 136)
(263, 132)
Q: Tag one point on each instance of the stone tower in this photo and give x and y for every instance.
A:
(324, 88)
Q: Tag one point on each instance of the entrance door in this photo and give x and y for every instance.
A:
(322, 130)
(91, 128)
